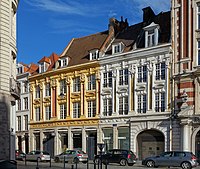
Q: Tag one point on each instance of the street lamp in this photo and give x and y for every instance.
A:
(101, 147)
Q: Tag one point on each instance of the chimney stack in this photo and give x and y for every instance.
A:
(148, 14)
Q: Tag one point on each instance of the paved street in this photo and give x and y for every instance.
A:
(44, 165)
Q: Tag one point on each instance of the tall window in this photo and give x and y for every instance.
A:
(123, 77)
(19, 124)
(142, 73)
(47, 90)
(91, 82)
(26, 122)
(123, 105)
(198, 16)
(37, 114)
(94, 55)
(107, 79)
(151, 38)
(42, 67)
(160, 71)
(142, 103)
(107, 107)
(37, 92)
(76, 110)
(76, 84)
(19, 104)
(26, 103)
(25, 87)
(47, 112)
(63, 111)
(63, 88)
(198, 52)
(160, 102)
(91, 108)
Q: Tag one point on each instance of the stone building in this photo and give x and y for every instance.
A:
(9, 90)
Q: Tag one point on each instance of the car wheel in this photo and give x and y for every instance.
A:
(186, 165)
(123, 162)
(96, 161)
(56, 160)
(76, 160)
(150, 163)
(84, 162)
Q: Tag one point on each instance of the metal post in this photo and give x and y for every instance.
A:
(50, 162)
(25, 159)
(94, 165)
(76, 164)
(37, 167)
(64, 162)
(87, 164)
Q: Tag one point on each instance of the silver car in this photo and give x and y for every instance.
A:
(38, 155)
(73, 156)
(183, 159)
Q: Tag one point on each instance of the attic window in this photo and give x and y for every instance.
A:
(19, 70)
(151, 35)
(117, 48)
(64, 62)
(42, 67)
(94, 54)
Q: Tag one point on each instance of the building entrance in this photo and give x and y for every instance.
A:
(150, 143)
(197, 145)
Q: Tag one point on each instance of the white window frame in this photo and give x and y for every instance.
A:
(123, 77)
(92, 108)
(37, 92)
(63, 111)
(91, 82)
(20, 70)
(26, 122)
(25, 103)
(76, 110)
(142, 74)
(160, 71)
(198, 16)
(123, 105)
(76, 84)
(37, 114)
(63, 87)
(117, 48)
(142, 103)
(47, 89)
(64, 62)
(94, 54)
(160, 102)
(107, 79)
(198, 52)
(107, 106)
(47, 112)
(19, 123)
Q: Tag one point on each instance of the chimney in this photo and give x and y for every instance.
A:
(148, 14)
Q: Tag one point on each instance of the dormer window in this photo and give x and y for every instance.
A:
(94, 54)
(19, 70)
(64, 61)
(43, 67)
(117, 48)
(151, 35)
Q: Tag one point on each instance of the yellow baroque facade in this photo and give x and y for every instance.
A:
(65, 108)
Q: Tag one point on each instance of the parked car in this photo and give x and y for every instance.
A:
(183, 159)
(123, 157)
(75, 156)
(38, 155)
(19, 155)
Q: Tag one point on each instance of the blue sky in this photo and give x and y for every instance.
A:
(46, 26)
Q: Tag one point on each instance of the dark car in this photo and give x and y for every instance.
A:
(123, 157)
(6, 164)
(19, 155)
(183, 159)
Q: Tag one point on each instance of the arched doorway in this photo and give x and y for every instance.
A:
(197, 145)
(150, 143)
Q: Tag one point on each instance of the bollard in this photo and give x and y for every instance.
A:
(37, 167)
(94, 165)
(64, 162)
(87, 164)
(72, 166)
(50, 162)
(25, 159)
